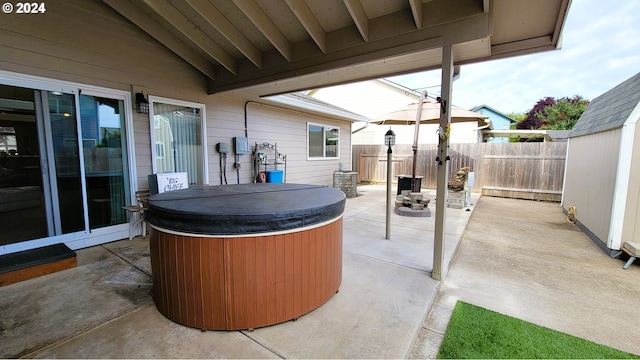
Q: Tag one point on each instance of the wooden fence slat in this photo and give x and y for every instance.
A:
(532, 167)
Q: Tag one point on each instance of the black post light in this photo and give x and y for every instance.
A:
(389, 140)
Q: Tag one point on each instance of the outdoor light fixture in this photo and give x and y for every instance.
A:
(390, 138)
(142, 105)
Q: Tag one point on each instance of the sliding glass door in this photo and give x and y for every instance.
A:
(104, 152)
(22, 193)
(63, 163)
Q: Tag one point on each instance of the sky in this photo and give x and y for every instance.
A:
(600, 49)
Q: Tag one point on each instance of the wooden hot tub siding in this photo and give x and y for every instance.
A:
(245, 282)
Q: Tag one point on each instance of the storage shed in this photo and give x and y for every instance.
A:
(601, 180)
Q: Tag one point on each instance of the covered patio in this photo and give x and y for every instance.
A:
(387, 307)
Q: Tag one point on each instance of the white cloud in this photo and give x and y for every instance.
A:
(600, 49)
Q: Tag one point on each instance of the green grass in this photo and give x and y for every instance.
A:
(478, 333)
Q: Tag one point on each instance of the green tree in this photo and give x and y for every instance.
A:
(517, 117)
(563, 114)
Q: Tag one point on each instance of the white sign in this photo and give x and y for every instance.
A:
(172, 181)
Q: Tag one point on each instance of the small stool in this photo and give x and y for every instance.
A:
(631, 248)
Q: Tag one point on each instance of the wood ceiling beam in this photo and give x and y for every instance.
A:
(517, 47)
(162, 35)
(359, 17)
(452, 32)
(264, 24)
(416, 10)
(178, 21)
(216, 19)
(309, 22)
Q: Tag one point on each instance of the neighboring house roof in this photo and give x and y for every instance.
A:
(483, 106)
(300, 101)
(609, 110)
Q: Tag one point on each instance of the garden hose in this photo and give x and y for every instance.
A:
(572, 214)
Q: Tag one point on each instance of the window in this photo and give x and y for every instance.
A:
(178, 134)
(323, 141)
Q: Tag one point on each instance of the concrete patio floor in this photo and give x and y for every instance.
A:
(517, 257)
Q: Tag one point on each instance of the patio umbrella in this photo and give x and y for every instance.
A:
(427, 111)
(430, 114)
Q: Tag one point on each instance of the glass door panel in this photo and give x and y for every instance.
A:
(65, 176)
(22, 206)
(105, 159)
(177, 134)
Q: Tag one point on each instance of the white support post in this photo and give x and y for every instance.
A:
(443, 165)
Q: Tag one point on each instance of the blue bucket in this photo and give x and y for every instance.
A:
(274, 176)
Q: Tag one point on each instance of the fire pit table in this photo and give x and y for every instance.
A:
(245, 256)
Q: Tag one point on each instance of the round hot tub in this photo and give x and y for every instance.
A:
(245, 256)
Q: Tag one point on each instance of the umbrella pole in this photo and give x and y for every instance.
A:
(415, 143)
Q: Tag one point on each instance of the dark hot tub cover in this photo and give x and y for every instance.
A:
(244, 208)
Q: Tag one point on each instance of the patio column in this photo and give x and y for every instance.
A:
(443, 155)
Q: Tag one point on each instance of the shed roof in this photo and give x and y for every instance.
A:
(609, 110)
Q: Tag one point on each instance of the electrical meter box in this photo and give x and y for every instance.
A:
(223, 148)
(241, 145)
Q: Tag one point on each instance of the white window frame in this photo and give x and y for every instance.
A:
(87, 237)
(325, 128)
(203, 131)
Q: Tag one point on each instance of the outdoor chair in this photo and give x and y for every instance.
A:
(137, 213)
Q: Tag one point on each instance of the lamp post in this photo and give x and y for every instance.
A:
(389, 140)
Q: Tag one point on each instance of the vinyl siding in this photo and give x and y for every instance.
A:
(86, 42)
(592, 162)
(268, 123)
(631, 227)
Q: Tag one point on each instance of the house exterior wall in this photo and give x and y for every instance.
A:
(268, 123)
(87, 43)
(96, 46)
(372, 98)
(499, 123)
(461, 133)
(590, 178)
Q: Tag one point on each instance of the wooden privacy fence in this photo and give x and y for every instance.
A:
(519, 170)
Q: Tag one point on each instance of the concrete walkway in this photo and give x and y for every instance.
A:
(520, 258)
(523, 259)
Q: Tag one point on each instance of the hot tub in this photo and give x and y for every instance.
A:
(245, 256)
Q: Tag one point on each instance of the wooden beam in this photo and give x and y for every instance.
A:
(162, 35)
(178, 21)
(309, 22)
(219, 21)
(524, 45)
(359, 17)
(452, 32)
(416, 10)
(264, 24)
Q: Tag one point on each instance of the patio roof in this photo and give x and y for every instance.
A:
(267, 47)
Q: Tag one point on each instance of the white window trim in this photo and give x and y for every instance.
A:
(324, 127)
(203, 131)
(83, 238)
